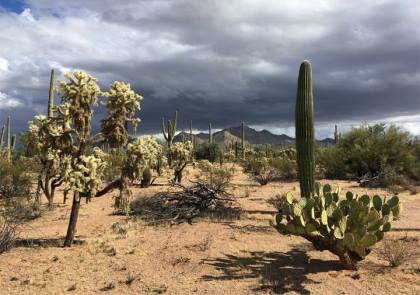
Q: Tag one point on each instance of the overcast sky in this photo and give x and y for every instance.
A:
(220, 61)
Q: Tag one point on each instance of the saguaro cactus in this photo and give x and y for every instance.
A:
(170, 134)
(210, 135)
(9, 154)
(336, 135)
(13, 143)
(51, 95)
(191, 134)
(2, 137)
(304, 124)
(243, 139)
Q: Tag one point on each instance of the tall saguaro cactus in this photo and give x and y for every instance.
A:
(51, 95)
(243, 139)
(210, 134)
(304, 124)
(170, 134)
(336, 135)
(2, 137)
(191, 134)
(9, 146)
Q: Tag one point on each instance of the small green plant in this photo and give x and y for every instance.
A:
(208, 151)
(348, 227)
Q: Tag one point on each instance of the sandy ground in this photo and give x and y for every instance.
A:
(246, 256)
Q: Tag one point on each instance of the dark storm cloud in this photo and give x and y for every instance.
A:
(221, 61)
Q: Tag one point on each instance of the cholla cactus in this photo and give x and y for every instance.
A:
(346, 227)
(143, 153)
(181, 154)
(80, 92)
(62, 139)
(122, 105)
(86, 175)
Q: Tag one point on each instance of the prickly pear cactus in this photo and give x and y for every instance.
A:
(348, 227)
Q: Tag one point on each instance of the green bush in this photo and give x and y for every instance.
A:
(390, 155)
(15, 179)
(208, 151)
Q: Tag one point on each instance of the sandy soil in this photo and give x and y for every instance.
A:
(246, 256)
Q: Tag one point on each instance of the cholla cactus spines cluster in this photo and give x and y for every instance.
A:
(122, 105)
(50, 133)
(86, 175)
(80, 91)
(347, 227)
(181, 153)
(143, 153)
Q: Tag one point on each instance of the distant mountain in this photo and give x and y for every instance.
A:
(252, 136)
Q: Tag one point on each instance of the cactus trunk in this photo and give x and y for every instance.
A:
(9, 154)
(51, 95)
(243, 140)
(304, 124)
(13, 142)
(210, 135)
(2, 137)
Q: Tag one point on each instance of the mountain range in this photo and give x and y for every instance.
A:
(252, 136)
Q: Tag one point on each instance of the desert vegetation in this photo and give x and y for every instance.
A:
(247, 218)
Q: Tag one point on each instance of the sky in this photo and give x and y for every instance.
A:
(220, 61)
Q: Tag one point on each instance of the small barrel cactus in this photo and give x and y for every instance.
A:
(347, 227)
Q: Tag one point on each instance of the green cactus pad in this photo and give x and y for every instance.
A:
(393, 201)
(365, 200)
(368, 241)
(377, 202)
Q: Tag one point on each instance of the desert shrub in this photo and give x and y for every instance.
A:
(8, 233)
(218, 177)
(330, 160)
(398, 251)
(382, 156)
(207, 151)
(15, 179)
(346, 227)
(286, 167)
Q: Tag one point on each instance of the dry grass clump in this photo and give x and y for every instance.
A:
(8, 234)
(397, 251)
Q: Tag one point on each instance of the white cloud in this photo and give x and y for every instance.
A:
(7, 102)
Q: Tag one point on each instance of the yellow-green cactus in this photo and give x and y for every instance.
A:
(347, 227)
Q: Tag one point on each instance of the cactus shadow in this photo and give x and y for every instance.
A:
(278, 272)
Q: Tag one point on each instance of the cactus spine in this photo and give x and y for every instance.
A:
(170, 134)
(9, 155)
(210, 135)
(243, 139)
(304, 124)
(51, 95)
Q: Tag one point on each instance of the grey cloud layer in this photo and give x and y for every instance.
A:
(222, 61)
